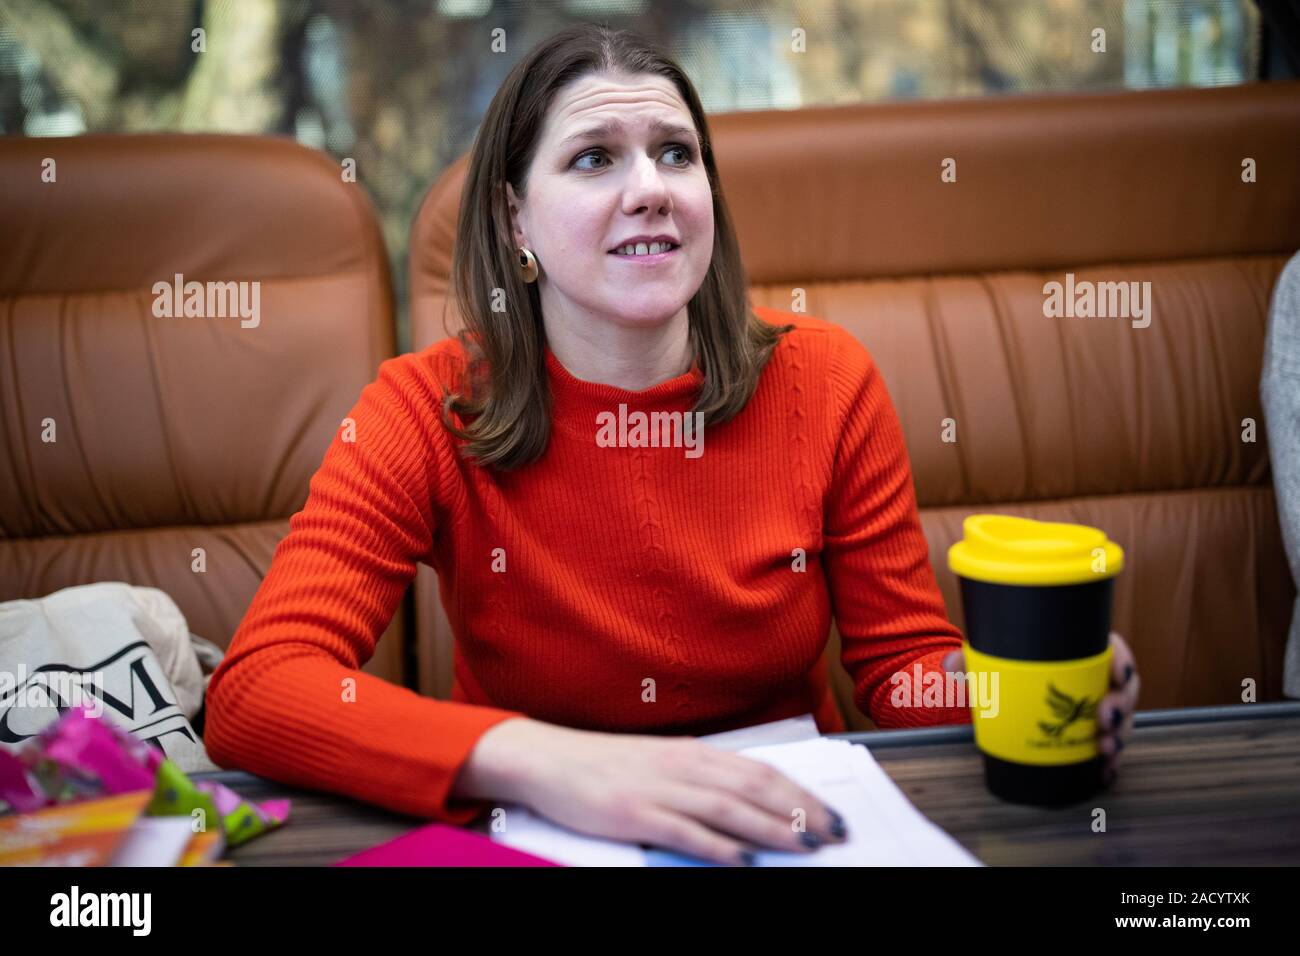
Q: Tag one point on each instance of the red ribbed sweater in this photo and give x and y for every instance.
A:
(633, 589)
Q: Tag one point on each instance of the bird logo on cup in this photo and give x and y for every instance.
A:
(1067, 710)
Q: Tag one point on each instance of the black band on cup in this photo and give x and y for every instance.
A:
(1043, 786)
(1059, 622)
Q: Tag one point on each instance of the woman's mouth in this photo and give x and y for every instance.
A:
(645, 253)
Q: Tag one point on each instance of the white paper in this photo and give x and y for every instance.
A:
(154, 841)
(885, 829)
(777, 732)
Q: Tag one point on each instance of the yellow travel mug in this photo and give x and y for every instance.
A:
(1037, 599)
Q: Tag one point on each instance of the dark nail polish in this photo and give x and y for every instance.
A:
(838, 826)
(810, 840)
(747, 857)
(1116, 718)
(1128, 673)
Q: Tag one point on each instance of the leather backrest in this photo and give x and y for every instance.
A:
(843, 212)
(176, 433)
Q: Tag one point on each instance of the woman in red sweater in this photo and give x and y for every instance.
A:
(644, 501)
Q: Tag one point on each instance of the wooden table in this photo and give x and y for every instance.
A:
(1197, 786)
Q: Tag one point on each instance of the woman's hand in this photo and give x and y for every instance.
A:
(1114, 713)
(672, 792)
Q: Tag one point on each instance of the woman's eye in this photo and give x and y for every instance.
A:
(684, 150)
(590, 152)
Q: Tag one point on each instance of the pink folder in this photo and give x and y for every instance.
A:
(438, 844)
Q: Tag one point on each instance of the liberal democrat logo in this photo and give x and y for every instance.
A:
(1067, 710)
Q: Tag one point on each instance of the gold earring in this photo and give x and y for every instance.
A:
(528, 265)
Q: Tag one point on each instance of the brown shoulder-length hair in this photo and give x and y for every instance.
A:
(507, 405)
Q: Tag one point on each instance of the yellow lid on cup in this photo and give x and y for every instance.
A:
(1004, 549)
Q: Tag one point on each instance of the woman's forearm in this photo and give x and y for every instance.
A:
(505, 760)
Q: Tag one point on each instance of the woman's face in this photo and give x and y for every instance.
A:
(588, 193)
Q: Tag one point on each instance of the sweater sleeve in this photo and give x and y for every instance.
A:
(884, 595)
(289, 701)
(1279, 392)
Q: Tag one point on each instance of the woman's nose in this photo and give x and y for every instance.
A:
(646, 188)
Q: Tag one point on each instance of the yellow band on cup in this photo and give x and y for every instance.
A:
(1043, 712)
